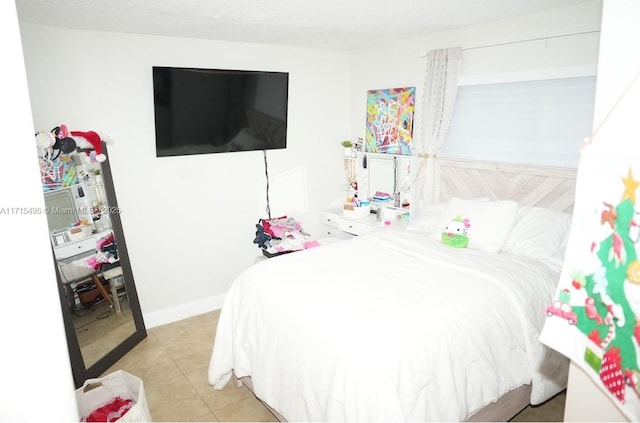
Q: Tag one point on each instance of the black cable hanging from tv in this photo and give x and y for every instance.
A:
(266, 172)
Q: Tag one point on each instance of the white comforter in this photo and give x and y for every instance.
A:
(389, 326)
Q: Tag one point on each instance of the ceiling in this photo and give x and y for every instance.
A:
(331, 24)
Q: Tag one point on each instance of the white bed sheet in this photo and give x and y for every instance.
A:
(388, 326)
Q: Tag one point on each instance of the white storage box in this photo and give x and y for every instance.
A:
(80, 232)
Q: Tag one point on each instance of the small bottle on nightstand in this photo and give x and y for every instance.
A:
(396, 200)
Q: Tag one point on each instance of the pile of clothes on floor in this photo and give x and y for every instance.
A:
(281, 235)
(107, 252)
(110, 412)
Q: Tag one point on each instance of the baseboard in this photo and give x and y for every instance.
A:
(182, 311)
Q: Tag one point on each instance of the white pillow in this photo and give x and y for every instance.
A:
(539, 233)
(490, 221)
(428, 219)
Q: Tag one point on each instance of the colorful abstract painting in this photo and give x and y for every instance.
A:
(390, 120)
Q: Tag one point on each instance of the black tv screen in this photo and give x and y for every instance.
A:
(199, 111)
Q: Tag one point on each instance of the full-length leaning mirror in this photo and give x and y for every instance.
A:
(102, 315)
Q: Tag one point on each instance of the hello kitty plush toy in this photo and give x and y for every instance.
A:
(456, 233)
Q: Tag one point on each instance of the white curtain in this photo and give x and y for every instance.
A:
(439, 96)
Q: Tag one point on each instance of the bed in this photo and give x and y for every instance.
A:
(396, 326)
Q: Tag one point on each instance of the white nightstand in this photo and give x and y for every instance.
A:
(337, 225)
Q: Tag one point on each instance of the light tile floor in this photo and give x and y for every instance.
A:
(173, 361)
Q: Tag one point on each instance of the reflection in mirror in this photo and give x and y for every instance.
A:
(386, 173)
(99, 301)
(88, 262)
(382, 175)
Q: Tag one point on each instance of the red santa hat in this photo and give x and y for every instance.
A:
(95, 141)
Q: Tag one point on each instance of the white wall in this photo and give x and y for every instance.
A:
(37, 384)
(190, 221)
(617, 67)
(400, 64)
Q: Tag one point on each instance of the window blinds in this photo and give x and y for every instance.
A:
(538, 122)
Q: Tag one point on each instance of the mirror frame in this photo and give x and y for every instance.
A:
(80, 371)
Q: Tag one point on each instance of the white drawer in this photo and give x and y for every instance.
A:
(335, 233)
(355, 228)
(331, 219)
(74, 248)
(351, 226)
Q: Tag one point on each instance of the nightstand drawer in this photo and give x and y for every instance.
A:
(349, 225)
(331, 219)
(355, 228)
(75, 248)
(332, 232)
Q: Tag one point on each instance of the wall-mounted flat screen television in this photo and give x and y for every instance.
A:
(199, 111)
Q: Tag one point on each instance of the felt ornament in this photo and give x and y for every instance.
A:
(455, 233)
(93, 138)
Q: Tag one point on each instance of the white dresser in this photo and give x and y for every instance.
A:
(337, 225)
(80, 247)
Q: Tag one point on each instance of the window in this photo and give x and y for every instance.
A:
(540, 122)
